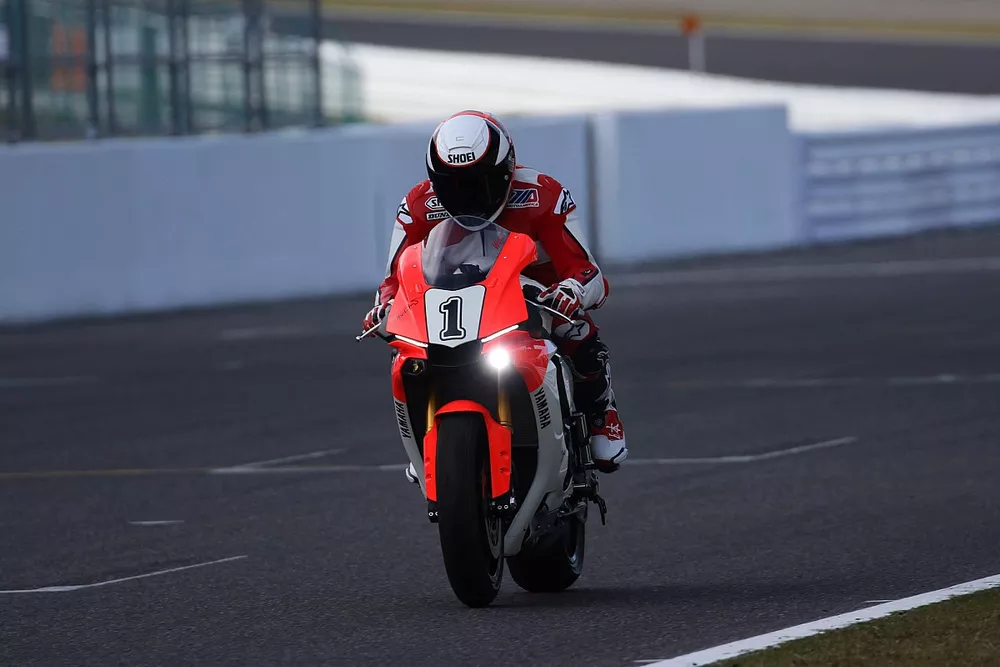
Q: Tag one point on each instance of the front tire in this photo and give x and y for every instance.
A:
(553, 566)
(471, 538)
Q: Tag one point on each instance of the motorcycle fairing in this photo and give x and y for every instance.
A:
(529, 356)
(551, 472)
(499, 438)
(497, 302)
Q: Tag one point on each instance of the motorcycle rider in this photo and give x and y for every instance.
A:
(472, 170)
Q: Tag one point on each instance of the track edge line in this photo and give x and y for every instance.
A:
(735, 649)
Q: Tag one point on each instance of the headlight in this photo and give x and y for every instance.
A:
(498, 358)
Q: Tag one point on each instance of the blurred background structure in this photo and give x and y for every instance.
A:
(98, 68)
(75, 69)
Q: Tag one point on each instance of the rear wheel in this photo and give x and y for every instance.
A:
(552, 565)
(471, 539)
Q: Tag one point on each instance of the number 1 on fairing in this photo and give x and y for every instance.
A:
(452, 311)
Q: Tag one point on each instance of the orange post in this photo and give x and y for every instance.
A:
(691, 26)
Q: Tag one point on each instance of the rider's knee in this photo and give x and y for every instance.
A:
(591, 357)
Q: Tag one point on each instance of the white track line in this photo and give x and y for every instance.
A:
(848, 270)
(307, 469)
(67, 589)
(819, 383)
(265, 333)
(747, 458)
(19, 383)
(284, 459)
(735, 649)
(163, 522)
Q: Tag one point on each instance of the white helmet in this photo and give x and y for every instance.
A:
(470, 163)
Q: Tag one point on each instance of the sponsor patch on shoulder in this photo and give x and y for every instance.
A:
(433, 204)
(565, 203)
(524, 199)
(403, 213)
(440, 215)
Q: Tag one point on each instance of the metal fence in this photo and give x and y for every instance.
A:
(859, 184)
(76, 69)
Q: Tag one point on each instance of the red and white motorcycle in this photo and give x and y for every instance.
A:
(484, 405)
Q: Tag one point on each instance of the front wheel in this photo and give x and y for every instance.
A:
(471, 538)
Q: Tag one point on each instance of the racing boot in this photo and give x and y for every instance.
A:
(411, 474)
(596, 399)
(607, 440)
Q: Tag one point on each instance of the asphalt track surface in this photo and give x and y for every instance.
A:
(341, 567)
(960, 67)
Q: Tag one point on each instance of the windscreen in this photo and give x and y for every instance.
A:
(460, 251)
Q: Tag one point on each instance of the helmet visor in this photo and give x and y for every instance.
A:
(478, 194)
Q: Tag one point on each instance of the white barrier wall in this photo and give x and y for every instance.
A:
(872, 184)
(136, 225)
(139, 225)
(684, 182)
(127, 226)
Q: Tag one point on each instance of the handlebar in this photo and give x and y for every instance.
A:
(368, 333)
(553, 311)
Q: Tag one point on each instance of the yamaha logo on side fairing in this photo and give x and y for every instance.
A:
(542, 406)
(403, 420)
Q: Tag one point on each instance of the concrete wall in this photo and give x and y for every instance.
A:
(123, 226)
(688, 182)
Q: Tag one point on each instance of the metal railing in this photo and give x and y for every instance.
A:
(872, 183)
(76, 69)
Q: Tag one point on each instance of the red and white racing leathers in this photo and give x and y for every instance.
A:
(542, 208)
(539, 207)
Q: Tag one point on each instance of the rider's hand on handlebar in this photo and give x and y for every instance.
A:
(376, 315)
(565, 297)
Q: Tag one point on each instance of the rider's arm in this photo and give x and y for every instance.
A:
(401, 239)
(560, 237)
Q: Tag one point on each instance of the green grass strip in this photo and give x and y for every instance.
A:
(960, 632)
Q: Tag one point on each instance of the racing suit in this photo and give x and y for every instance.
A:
(540, 207)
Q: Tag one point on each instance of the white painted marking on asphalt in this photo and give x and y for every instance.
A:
(307, 469)
(847, 270)
(875, 601)
(67, 589)
(747, 458)
(772, 639)
(284, 459)
(164, 522)
(819, 383)
(19, 383)
(262, 333)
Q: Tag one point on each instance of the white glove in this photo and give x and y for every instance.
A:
(376, 315)
(566, 297)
